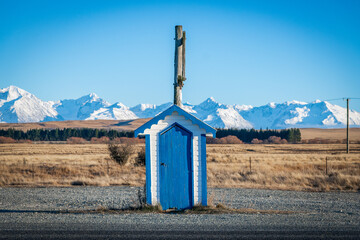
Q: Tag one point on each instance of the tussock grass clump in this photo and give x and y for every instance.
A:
(140, 159)
(120, 153)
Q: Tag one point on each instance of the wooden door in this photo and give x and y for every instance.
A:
(175, 168)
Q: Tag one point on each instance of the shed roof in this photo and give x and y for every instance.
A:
(180, 111)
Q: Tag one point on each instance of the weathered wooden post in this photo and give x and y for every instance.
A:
(326, 166)
(176, 148)
(179, 64)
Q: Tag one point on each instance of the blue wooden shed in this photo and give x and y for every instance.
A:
(175, 159)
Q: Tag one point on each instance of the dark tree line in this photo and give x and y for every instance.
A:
(292, 135)
(63, 134)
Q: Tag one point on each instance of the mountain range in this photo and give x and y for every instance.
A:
(20, 106)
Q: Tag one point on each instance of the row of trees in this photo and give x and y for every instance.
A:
(63, 134)
(292, 135)
(245, 135)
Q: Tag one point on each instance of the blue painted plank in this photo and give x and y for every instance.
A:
(203, 171)
(148, 169)
(175, 168)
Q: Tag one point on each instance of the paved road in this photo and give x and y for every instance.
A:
(33, 213)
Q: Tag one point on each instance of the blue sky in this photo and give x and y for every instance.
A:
(243, 52)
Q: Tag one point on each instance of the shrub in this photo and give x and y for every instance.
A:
(256, 141)
(274, 139)
(232, 140)
(210, 140)
(6, 140)
(224, 140)
(220, 140)
(103, 139)
(270, 140)
(140, 159)
(120, 153)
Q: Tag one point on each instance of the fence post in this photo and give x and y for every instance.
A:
(326, 166)
(250, 163)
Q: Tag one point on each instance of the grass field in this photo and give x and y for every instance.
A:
(287, 167)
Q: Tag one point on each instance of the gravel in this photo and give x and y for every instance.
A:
(30, 213)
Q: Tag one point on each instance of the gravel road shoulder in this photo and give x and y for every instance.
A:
(28, 213)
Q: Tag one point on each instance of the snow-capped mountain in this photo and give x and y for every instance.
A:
(148, 110)
(81, 108)
(220, 115)
(116, 111)
(17, 105)
(318, 114)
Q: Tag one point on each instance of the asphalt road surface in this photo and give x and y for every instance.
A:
(36, 213)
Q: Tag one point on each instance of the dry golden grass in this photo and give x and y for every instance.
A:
(287, 167)
(332, 134)
(64, 165)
